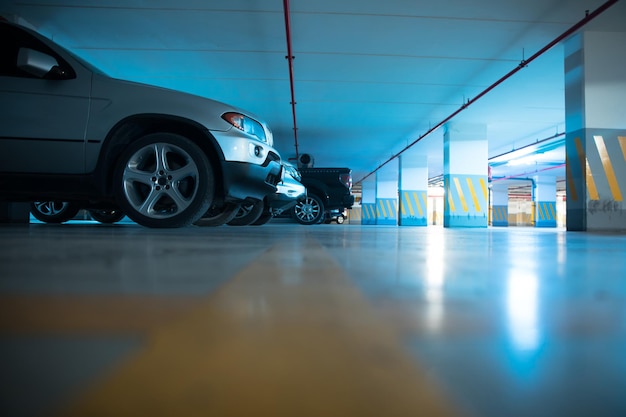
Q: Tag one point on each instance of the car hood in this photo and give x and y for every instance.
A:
(115, 99)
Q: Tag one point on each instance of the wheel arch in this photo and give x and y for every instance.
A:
(134, 127)
(318, 191)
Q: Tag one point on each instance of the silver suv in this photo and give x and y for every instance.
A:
(165, 158)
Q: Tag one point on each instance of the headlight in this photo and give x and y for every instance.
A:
(293, 172)
(246, 124)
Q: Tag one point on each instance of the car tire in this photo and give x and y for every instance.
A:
(218, 215)
(340, 219)
(265, 218)
(54, 211)
(107, 216)
(247, 214)
(164, 180)
(309, 211)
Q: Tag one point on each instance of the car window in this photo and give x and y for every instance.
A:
(12, 40)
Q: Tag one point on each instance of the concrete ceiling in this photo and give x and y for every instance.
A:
(370, 77)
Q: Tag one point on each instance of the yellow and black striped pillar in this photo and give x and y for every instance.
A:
(499, 204)
(544, 201)
(413, 208)
(387, 211)
(387, 194)
(465, 203)
(595, 109)
(368, 213)
(413, 190)
(545, 214)
(596, 180)
(465, 175)
(368, 202)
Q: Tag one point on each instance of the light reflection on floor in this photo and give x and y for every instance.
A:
(497, 322)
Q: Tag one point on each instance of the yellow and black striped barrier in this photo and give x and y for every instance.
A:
(465, 203)
(368, 213)
(413, 208)
(545, 213)
(596, 179)
(500, 216)
(600, 179)
(386, 211)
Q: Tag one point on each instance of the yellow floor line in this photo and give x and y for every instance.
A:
(288, 336)
(93, 314)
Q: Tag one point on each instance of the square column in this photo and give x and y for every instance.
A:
(413, 190)
(595, 87)
(465, 175)
(500, 204)
(368, 201)
(544, 201)
(387, 194)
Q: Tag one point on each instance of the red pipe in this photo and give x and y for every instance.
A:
(290, 58)
(588, 17)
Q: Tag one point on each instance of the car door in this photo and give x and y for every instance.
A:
(42, 118)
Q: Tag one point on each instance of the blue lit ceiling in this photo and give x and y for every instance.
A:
(370, 76)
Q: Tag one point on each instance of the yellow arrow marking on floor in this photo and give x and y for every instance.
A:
(288, 336)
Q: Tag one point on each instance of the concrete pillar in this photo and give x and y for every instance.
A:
(465, 175)
(387, 194)
(368, 201)
(499, 204)
(413, 194)
(544, 201)
(595, 87)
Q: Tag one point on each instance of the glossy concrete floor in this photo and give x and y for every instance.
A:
(328, 320)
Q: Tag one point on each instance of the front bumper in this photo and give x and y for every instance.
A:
(286, 197)
(244, 181)
(237, 146)
(251, 169)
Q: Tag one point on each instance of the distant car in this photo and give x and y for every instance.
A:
(289, 192)
(329, 194)
(69, 133)
(335, 216)
(63, 211)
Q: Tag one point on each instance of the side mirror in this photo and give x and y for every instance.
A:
(39, 64)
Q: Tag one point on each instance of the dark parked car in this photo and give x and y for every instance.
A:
(69, 133)
(329, 193)
(289, 192)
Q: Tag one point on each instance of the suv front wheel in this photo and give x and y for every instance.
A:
(309, 211)
(164, 180)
